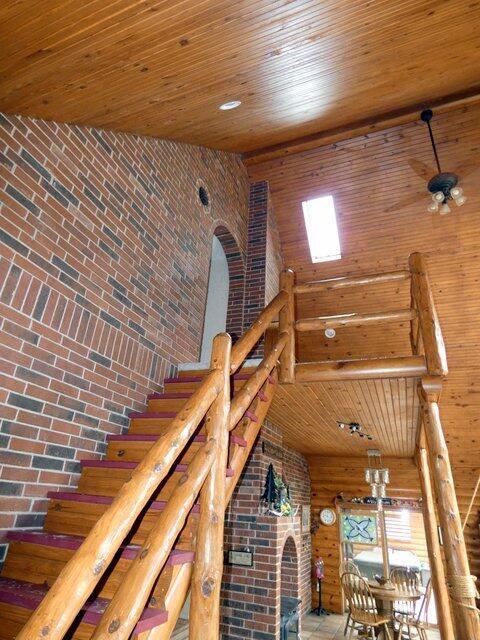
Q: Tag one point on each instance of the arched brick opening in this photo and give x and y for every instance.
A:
(236, 273)
(289, 582)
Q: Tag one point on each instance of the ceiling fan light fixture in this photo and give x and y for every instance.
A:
(433, 207)
(444, 185)
(456, 192)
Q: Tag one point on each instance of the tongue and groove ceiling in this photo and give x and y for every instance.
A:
(299, 67)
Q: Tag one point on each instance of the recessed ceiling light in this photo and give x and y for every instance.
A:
(233, 104)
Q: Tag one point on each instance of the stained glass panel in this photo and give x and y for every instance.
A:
(359, 528)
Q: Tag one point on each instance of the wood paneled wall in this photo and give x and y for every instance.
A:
(381, 208)
(332, 475)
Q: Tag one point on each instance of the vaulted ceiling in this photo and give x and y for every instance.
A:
(162, 67)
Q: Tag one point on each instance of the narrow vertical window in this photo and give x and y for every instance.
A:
(322, 231)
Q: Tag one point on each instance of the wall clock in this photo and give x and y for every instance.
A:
(328, 516)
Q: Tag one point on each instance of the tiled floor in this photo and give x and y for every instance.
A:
(331, 628)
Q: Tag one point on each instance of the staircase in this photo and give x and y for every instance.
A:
(161, 488)
(117, 557)
(36, 558)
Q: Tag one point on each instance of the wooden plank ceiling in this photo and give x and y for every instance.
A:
(162, 67)
(386, 409)
(379, 186)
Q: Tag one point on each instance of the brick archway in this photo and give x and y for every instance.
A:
(289, 570)
(236, 272)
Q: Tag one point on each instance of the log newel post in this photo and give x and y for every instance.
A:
(431, 333)
(208, 565)
(287, 324)
(459, 581)
(433, 547)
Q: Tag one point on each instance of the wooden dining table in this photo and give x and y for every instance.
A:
(385, 598)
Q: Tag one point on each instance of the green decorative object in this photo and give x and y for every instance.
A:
(359, 528)
(276, 495)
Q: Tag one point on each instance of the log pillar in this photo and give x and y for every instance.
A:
(460, 584)
(433, 546)
(287, 324)
(208, 564)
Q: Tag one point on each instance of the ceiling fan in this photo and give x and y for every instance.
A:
(443, 185)
(439, 180)
(355, 429)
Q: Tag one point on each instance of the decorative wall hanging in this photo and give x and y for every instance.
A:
(275, 499)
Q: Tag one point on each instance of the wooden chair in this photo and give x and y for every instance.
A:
(418, 623)
(405, 581)
(363, 607)
(348, 566)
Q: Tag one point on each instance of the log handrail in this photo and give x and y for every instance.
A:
(130, 598)
(430, 331)
(357, 319)
(56, 612)
(252, 386)
(350, 281)
(249, 339)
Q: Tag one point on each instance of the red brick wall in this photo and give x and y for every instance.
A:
(251, 596)
(104, 254)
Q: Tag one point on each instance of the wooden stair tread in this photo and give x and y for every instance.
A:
(64, 541)
(74, 496)
(121, 464)
(28, 595)
(149, 437)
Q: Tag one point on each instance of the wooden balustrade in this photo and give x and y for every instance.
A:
(353, 281)
(355, 319)
(244, 397)
(130, 598)
(400, 367)
(249, 339)
(208, 567)
(431, 333)
(82, 573)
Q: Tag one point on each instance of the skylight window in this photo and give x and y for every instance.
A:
(322, 231)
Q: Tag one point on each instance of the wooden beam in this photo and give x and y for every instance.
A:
(402, 367)
(350, 281)
(208, 567)
(461, 585)
(363, 127)
(287, 325)
(356, 319)
(440, 591)
(432, 338)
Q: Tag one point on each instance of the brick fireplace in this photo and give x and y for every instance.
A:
(251, 596)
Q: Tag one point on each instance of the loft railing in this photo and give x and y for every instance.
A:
(428, 350)
(205, 480)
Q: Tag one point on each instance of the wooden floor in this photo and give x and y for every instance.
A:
(331, 628)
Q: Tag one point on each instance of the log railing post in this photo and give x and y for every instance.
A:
(208, 565)
(433, 547)
(460, 583)
(287, 325)
(431, 333)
